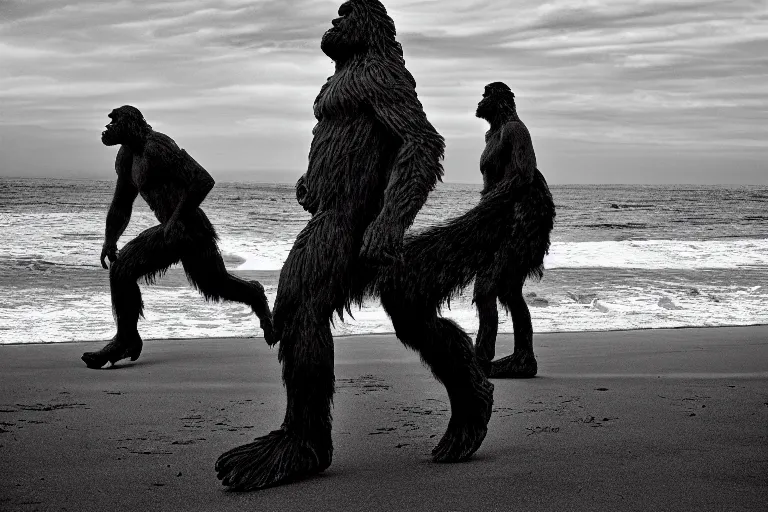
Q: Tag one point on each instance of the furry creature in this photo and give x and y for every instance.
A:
(500, 243)
(373, 160)
(174, 185)
(509, 155)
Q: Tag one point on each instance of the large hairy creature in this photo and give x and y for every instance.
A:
(509, 155)
(373, 160)
(499, 243)
(174, 185)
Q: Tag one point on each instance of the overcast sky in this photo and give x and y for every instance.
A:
(630, 91)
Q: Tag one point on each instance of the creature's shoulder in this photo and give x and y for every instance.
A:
(515, 128)
(515, 132)
(389, 77)
(517, 139)
(161, 150)
(160, 143)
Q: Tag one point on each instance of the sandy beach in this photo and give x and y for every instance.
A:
(633, 420)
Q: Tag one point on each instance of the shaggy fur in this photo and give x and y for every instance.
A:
(373, 160)
(500, 243)
(509, 152)
(173, 184)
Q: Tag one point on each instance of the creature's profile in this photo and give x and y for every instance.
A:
(509, 154)
(500, 242)
(174, 185)
(373, 160)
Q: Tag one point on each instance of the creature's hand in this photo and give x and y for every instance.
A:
(304, 198)
(382, 243)
(109, 251)
(173, 230)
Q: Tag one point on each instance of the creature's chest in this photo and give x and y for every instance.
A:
(339, 98)
(492, 157)
(139, 173)
(147, 177)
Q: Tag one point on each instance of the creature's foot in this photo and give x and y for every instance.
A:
(277, 458)
(121, 347)
(519, 365)
(467, 427)
(265, 319)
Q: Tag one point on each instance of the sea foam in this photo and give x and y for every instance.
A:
(641, 254)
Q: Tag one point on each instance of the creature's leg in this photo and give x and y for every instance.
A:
(449, 353)
(313, 282)
(485, 302)
(522, 362)
(525, 250)
(146, 256)
(206, 271)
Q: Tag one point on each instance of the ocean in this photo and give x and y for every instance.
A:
(622, 257)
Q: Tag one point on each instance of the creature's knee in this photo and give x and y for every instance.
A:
(485, 302)
(395, 308)
(210, 286)
(120, 271)
(401, 321)
(306, 344)
(407, 319)
(513, 301)
(404, 325)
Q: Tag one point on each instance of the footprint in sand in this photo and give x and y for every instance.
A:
(363, 384)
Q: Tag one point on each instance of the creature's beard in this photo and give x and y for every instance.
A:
(110, 136)
(484, 110)
(338, 45)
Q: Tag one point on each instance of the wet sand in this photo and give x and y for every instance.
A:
(635, 420)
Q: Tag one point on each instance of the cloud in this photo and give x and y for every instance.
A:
(688, 76)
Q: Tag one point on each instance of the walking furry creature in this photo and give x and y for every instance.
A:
(500, 242)
(509, 157)
(174, 185)
(373, 160)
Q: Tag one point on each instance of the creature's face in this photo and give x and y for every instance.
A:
(495, 96)
(348, 35)
(122, 127)
(115, 132)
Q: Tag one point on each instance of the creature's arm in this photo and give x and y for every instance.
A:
(195, 181)
(119, 214)
(517, 147)
(416, 168)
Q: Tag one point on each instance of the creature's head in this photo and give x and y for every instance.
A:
(498, 100)
(127, 126)
(362, 26)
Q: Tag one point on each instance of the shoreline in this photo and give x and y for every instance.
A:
(652, 419)
(392, 334)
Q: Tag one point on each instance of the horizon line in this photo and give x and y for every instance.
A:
(454, 182)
